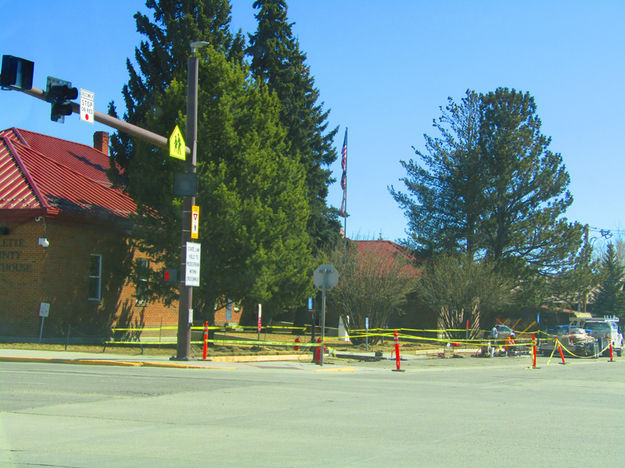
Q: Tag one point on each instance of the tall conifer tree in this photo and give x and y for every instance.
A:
(490, 188)
(276, 59)
(162, 56)
(610, 299)
(252, 196)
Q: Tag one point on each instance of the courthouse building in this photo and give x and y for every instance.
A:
(65, 240)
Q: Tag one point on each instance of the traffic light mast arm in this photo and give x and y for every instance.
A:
(124, 127)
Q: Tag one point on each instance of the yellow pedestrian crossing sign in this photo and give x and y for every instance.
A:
(177, 146)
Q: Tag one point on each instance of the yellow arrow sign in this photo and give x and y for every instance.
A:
(177, 146)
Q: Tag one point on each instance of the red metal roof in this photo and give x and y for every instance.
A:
(40, 174)
(82, 158)
(17, 190)
(387, 251)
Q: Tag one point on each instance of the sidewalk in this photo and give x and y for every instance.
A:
(111, 359)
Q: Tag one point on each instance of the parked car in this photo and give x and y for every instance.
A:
(503, 331)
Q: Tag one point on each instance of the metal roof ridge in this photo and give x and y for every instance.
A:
(31, 182)
(19, 135)
(63, 140)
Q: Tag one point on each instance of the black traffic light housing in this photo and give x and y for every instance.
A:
(17, 73)
(60, 94)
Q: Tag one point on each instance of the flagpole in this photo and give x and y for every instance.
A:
(344, 184)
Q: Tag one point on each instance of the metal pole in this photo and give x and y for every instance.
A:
(323, 318)
(186, 292)
(41, 329)
(110, 121)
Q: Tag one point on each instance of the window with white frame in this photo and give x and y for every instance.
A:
(95, 277)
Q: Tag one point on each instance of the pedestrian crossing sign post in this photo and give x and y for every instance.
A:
(177, 146)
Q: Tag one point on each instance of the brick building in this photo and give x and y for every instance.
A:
(65, 240)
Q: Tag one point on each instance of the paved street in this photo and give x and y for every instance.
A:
(440, 412)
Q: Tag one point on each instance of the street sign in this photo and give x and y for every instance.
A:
(192, 271)
(87, 106)
(177, 146)
(325, 276)
(195, 222)
(44, 309)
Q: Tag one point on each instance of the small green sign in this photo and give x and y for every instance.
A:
(177, 146)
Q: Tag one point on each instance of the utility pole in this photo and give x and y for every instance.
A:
(185, 310)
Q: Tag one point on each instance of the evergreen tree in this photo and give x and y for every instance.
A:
(447, 181)
(610, 299)
(252, 196)
(574, 286)
(526, 191)
(162, 57)
(490, 187)
(277, 60)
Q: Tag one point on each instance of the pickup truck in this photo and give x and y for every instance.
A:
(574, 340)
(605, 330)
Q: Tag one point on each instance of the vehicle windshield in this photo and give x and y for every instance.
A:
(597, 326)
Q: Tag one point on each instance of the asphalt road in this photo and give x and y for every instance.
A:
(442, 412)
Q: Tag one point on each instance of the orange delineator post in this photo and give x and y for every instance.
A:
(318, 351)
(611, 353)
(397, 358)
(297, 342)
(205, 351)
(561, 353)
(534, 350)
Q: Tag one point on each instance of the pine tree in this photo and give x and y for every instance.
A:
(526, 190)
(610, 299)
(162, 57)
(490, 187)
(447, 181)
(252, 196)
(574, 286)
(277, 60)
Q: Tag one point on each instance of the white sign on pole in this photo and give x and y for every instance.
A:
(192, 271)
(87, 106)
(44, 309)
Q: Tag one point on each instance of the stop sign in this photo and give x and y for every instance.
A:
(325, 276)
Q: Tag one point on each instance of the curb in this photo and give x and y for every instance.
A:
(106, 362)
(189, 365)
(337, 369)
(266, 358)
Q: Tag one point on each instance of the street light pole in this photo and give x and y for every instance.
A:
(186, 292)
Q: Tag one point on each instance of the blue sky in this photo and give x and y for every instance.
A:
(383, 68)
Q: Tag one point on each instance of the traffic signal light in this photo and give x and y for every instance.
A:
(170, 275)
(60, 94)
(16, 73)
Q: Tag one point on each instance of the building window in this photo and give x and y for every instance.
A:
(95, 277)
(142, 269)
(229, 311)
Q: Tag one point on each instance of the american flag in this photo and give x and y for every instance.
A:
(344, 175)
